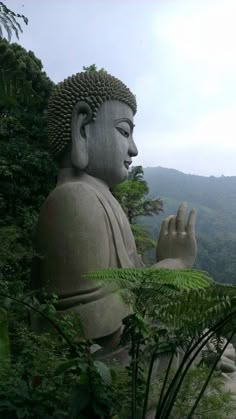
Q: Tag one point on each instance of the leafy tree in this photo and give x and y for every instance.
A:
(133, 198)
(27, 172)
(21, 79)
(92, 68)
(143, 239)
(217, 255)
(132, 195)
(9, 21)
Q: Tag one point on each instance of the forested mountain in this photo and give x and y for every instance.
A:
(215, 201)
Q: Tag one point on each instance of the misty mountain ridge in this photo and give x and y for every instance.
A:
(183, 173)
(213, 197)
(215, 201)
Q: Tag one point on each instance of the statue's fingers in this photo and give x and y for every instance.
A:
(191, 222)
(165, 226)
(172, 224)
(180, 224)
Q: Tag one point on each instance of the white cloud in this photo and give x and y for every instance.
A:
(217, 129)
(201, 37)
(197, 94)
(176, 153)
(204, 33)
(209, 147)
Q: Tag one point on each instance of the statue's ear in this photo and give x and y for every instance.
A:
(81, 116)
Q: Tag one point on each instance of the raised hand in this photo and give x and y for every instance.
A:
(177, 243)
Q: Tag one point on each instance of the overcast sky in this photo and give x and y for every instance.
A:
(177, 56)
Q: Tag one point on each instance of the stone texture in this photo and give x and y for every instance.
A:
(82, 228)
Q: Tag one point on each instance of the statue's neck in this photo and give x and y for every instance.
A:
(67, 175)
(73, 175)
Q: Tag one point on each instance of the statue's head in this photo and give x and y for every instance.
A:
(90, 121)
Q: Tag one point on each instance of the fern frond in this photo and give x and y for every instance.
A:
(186, 301)
(111, 274)
(200, 309)
(181, 279)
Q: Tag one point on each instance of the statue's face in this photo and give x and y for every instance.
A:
(110, 143)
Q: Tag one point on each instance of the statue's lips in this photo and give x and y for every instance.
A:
(127, 164)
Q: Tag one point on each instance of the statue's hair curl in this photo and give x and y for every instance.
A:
(91, 87)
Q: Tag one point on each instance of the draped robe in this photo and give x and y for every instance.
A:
(82, 228)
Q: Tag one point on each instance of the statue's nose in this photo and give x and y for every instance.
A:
(133, 151)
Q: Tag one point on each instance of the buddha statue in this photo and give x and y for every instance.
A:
(82, 228)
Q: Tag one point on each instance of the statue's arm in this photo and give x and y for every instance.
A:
(176, 246)
(72, 239)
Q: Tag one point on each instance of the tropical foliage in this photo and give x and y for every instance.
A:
(175, 313)
(58, 374)
(9, 22)
(27, 172)
(133, 198)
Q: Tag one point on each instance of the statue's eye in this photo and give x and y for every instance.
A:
(123, 132)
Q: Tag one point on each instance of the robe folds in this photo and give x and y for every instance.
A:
(82, 228)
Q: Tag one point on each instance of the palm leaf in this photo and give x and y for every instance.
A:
(9, 22)
(4, 21)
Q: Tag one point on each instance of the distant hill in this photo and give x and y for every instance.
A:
(215, 201)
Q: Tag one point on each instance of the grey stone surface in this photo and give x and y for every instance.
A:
(82, 228)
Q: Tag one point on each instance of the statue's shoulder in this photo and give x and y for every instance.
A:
(71, 194)
(70, 219)
(71, 200)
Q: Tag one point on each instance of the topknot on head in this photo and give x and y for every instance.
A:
(91, 87)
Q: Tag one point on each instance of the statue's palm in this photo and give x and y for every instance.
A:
(177, 240)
